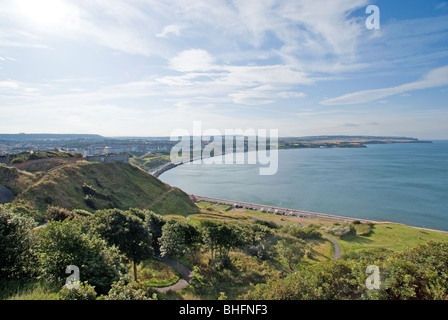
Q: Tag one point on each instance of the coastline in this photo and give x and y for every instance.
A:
(157, 172)
(299, 213)
(279, 210)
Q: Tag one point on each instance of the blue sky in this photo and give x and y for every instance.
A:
(146, 68)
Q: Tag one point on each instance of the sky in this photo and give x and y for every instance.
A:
(150, 67)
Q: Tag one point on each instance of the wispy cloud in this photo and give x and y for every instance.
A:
(435, 78)
(171, 29)
(262, 62)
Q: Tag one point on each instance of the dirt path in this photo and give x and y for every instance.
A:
(186, 275)
(160, 198)
(337, 247)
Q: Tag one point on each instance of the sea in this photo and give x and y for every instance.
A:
(401, 182)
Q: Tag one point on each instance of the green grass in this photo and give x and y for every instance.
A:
(155, 273)
(391, 236)
(150, 161)
(212, 206)
(245, 272)
(363, 229)
(117, 185)
(28, 290)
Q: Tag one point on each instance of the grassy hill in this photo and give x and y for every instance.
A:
(92, 186)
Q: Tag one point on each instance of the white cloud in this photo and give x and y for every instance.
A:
(193, 60)
(8, 84)
(435, 78)
(170, 29)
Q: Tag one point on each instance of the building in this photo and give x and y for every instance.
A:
(111, 157)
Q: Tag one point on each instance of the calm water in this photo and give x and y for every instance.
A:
(405, 183)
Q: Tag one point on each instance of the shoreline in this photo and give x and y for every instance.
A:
(299, 213)
(279, 210)
(158, 171)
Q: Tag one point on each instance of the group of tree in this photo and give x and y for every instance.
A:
(106, 244)
(416, 274)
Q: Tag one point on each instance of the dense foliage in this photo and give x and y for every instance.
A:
(420, 273)
(17, 256)
(63, 243)
(104, 243)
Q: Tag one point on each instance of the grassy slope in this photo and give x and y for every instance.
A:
(116, 185)
(15, 179)
(390, 236)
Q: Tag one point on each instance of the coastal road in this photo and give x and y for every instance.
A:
(278, 210)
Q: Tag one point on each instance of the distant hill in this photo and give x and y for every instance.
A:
(92, 186)
(48, 136)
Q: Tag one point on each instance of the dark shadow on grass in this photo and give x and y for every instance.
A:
(357, 239)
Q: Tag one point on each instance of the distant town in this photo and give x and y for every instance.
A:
(113, 149)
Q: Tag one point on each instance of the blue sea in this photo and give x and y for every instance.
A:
(404, 183)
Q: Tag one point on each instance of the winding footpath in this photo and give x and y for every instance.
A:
(184, 281)
(337, 247)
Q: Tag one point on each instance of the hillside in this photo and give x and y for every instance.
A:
(92, 186)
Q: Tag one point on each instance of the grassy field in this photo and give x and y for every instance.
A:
(391, 236)
(31, 290)
(150, 160)
(213, 206)
(155, 273)
(382, 235)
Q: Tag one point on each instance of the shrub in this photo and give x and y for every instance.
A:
(17, 160)
(81, 213)
(124, 290)
(83, 292)
(304, 233)
(17, 246)
(363, 229)
(58, 213)
(89, 190)
(340, 231)
(25, 210)
(64, 243)
(269, 224)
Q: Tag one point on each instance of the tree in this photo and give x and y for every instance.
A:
(256, 238)
(291, 250)
(127, 232)
(17, 246)
(155, 223)
(178, 238)
(65, 243)
(328, 280)
(219, 238)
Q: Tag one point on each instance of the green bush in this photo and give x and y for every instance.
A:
(339, 231)
(125, 290)
(17, 160)
(58, 213)
(65, 243)
(84, 291)
(363, 229)
(303, 233)
(269, 224)
(17, 245)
